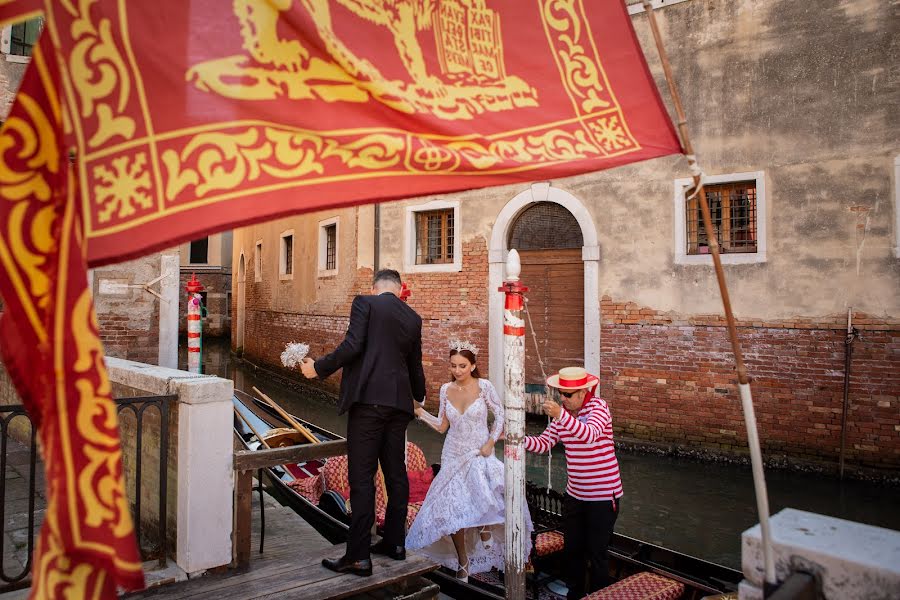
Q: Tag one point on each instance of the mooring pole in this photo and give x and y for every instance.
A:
(194, 325)
(514, 426)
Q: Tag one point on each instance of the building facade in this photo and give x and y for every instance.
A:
(209, 259)
(791, 108)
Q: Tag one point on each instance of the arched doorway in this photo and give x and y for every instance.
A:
(590, 259)
(549, 242)
(241, 300)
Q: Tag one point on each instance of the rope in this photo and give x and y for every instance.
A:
(697, 172)
(537, 351)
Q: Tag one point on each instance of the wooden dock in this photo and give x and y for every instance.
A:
(290, 568)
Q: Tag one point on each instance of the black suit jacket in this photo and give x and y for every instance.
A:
(381, 355)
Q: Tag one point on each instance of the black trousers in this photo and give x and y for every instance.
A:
(588, 528)
(376, 434)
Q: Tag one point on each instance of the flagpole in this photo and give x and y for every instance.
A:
(759, 482)
(514, 428)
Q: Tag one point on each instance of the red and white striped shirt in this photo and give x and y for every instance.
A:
(593, 471)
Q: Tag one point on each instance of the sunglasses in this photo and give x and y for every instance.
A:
(567, 394)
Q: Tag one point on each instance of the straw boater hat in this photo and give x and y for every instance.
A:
(572, 378)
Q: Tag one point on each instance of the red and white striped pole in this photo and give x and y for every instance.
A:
(514, 426)
(194, 324)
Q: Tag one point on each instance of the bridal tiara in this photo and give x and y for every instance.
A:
(461, 345)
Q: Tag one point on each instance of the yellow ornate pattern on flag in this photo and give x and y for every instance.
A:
(86, 547)
(136, 172)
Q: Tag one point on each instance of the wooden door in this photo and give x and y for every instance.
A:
(555, 279)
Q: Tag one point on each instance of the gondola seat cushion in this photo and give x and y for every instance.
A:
(335, 477)
(549, 542)
(641, 586)
(419, 482)
(310, 488)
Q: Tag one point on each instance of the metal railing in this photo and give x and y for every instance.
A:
(136, 406)
(7, 414)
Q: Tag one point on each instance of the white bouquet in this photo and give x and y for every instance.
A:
(293, 354)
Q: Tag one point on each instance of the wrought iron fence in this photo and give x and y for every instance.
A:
(138, 407)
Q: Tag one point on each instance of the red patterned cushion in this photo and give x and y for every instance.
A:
(310, 488)
(549, 542)
(642, 586)
(415, 458)
(419, 482)
(335, 475)
(411, 511)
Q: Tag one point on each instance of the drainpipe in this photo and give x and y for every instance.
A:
(852, 335)
(377, 255)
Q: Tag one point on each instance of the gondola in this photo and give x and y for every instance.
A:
(325, 512)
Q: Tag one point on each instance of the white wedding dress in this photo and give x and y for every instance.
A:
(467, 492)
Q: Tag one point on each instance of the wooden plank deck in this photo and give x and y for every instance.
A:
(290, 568)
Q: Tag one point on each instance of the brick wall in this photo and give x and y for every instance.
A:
(450, 304)
(670, 379)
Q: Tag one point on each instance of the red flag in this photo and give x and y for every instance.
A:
(188, 118)
(52, 350)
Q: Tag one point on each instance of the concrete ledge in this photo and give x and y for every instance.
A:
(191, 388)
(852, 560)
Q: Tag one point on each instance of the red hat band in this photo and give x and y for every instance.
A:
(573, 382)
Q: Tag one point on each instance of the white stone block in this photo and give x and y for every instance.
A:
(854, 561)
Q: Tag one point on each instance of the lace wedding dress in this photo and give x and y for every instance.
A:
(467, 492)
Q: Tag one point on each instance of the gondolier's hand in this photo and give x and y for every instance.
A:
(308, 368)
(551, 408)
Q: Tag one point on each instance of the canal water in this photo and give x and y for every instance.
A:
(692, 507)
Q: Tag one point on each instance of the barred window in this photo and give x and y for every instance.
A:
(330, 247)
(733, 213)
(545, 226)
(434, 237)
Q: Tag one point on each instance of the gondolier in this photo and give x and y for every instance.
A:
(593, 487)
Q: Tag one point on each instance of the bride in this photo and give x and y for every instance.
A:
(463, 512)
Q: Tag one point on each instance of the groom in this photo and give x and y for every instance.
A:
(382, 360)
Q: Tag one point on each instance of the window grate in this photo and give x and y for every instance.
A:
(732, 208)
(545, 226)
(435, 233)
(330, 247)
(288, 247)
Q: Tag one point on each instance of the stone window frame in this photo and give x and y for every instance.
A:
(682, 185)
(283, 275)
(409, 234)
(323, 271)
(257, 261)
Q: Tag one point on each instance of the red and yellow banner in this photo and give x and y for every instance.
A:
(186, 118)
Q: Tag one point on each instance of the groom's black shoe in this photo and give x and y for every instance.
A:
(363, 568)
(395, 552)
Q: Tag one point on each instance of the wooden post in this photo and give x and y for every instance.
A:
(514, 426)
(756, 461)
(244, 492)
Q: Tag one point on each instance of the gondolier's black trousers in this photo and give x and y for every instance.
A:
(588, 528)
(376, 434)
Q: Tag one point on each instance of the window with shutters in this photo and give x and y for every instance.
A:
(737, 207)
(17, 41)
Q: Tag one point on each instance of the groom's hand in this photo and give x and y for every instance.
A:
(308, 368)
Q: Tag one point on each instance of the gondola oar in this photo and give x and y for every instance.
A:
(252, 429)
(303, 430)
